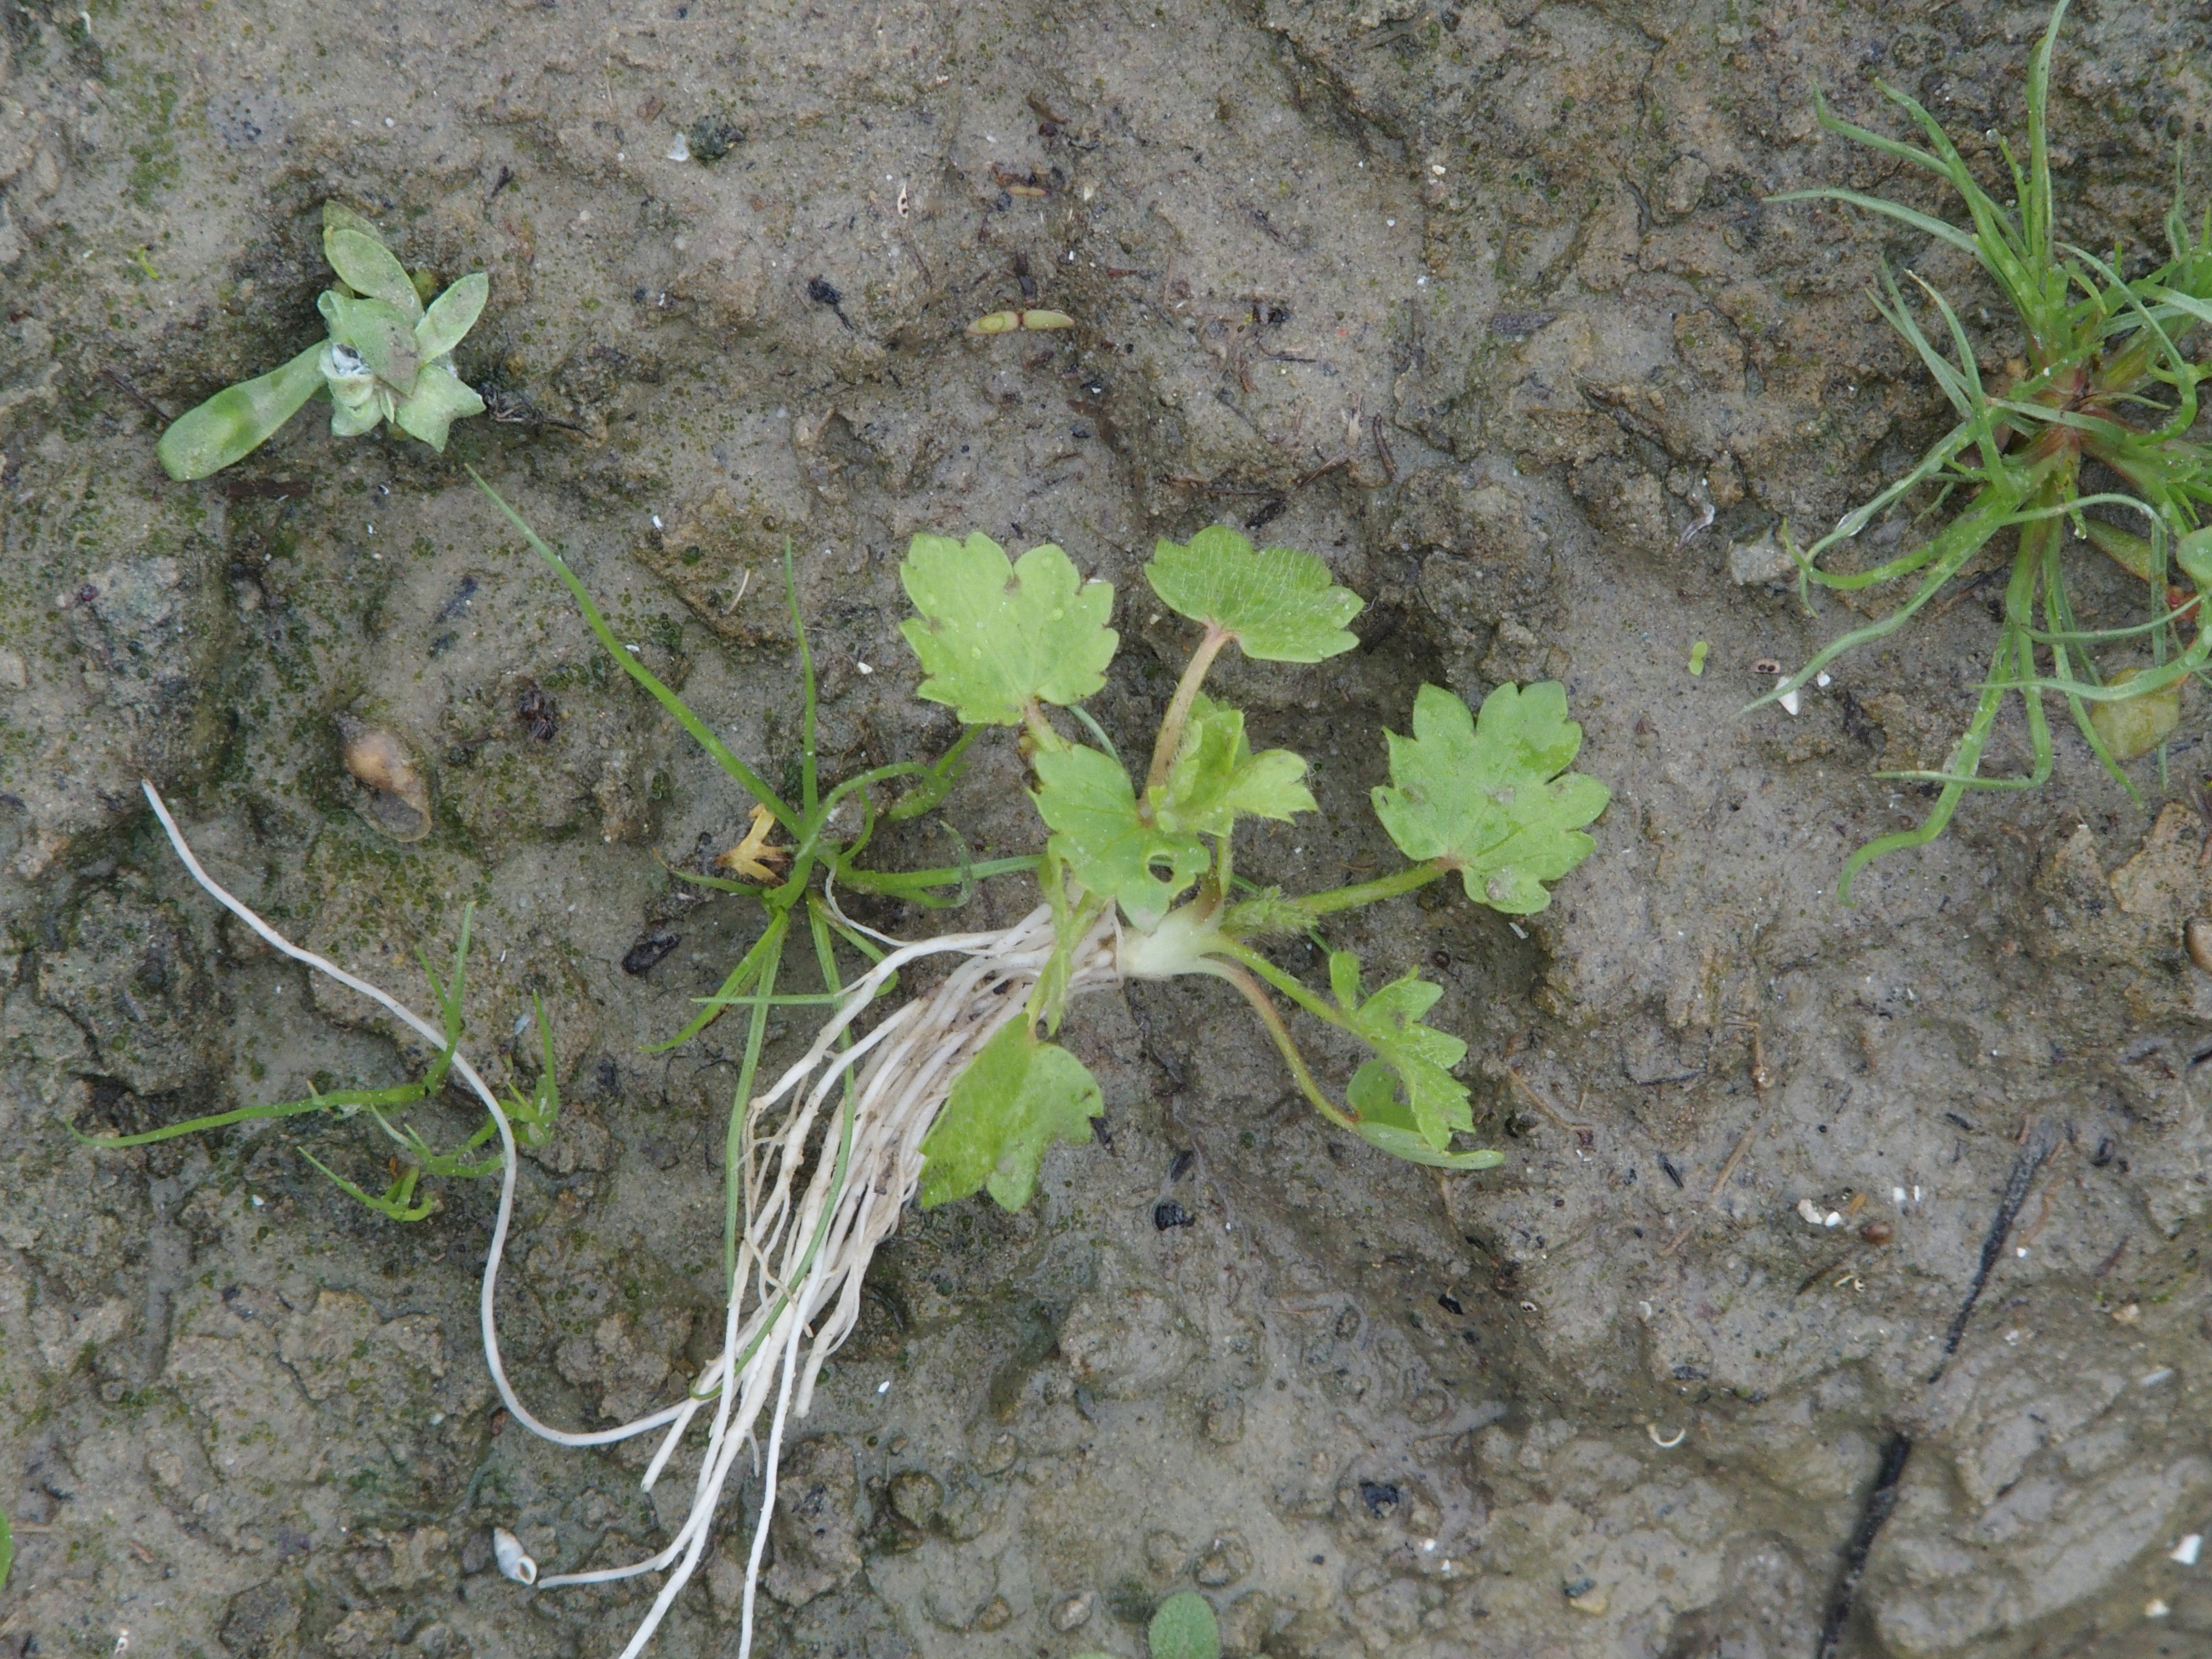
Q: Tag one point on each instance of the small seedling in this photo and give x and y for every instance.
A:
(534, 1115)
(2104, 378)
(388, 358)
(1183, 1628)
(961, 1089)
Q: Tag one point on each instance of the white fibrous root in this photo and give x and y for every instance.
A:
(832, 1153)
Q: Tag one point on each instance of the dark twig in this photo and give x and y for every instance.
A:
(137, 396)
(1880, 1502)
(1382, 448)
(2033, 1153)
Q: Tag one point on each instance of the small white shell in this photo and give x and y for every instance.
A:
(507, 1550)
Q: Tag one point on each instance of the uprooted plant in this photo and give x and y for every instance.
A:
(2104, 380)
(961, 1089)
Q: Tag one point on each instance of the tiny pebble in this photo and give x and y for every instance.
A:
(2156, 1608)
(2155, 1377)
(2186, 1551)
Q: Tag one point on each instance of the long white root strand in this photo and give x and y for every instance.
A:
(853, 1115)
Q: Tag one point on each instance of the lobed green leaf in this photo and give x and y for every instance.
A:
(1488, 798)
(994, 636)
(1389, 1021)
(441, 398)
(1014, 1099)
(1279, 604)
(1086, 799)
(1215, 775)
(1388, 1123)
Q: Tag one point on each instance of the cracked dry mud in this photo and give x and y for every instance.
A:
(1480, 303)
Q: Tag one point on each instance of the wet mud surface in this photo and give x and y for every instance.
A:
(1484, 306)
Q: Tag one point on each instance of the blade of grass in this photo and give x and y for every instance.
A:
(750, 781)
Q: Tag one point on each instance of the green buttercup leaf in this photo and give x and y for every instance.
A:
(1015, 1098)
(1487, 796)
(1389, 1021)
(1184, 1628)
(994, 636)
(1279, 604)
(1387, 1123)
(1216, 776)
(1086, 798)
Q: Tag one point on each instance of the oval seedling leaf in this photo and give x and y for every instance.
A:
(1279, 604)
(994, 636)
(365, 265)
(451, 316)
(1015, 1098)
(1086, 797)
(238, 419)
(1488, 798)
(1184, 1628)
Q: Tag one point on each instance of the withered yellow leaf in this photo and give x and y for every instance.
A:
(753, 857)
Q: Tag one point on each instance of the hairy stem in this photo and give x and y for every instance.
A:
(1285, 1044)
(1178, 715)
(1407, 880)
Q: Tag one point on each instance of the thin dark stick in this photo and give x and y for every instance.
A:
(1880, 1502)
(1382, 448)
(2031, 1159)
(137, 396)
